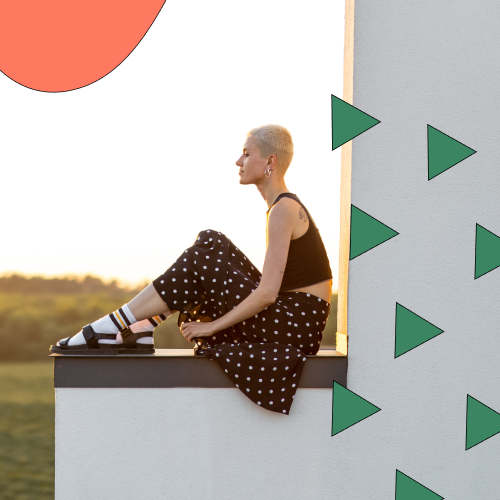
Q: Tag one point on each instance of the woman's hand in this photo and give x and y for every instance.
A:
(194, 329)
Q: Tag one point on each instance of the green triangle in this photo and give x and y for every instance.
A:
(444, 152)
(487, 251)
(367, 232)
(348, 122)
(482, 422)
(411, 330)
(348, 408)
(409, 489)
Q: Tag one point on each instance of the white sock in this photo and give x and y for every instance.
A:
(146, 325)
(149, 324)
(77, 339)
(112, 323)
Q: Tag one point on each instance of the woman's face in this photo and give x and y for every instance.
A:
(251, 164)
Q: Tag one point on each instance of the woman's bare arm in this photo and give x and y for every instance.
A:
(282, 219)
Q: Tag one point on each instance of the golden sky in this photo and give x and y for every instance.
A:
(117, 178)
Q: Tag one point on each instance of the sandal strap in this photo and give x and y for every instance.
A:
(109, 336)
(142, 335)
(91, 337)
(130, 338)
(64, 343)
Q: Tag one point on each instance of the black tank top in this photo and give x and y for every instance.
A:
(307, 262)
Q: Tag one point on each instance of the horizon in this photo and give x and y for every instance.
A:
(81, 277)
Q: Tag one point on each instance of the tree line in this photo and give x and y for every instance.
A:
(36, 312)
(33, 285)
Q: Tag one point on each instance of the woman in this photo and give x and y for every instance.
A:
(257, 327)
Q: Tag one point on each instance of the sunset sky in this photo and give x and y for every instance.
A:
(116, 179)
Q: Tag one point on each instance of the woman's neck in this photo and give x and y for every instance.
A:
(272, 195)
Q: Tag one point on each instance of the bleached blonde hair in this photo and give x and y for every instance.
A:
(277, 140)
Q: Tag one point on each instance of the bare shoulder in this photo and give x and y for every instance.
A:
(290, 209)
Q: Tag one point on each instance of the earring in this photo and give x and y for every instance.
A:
(267, 171)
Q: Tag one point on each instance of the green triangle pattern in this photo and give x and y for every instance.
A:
(487, 251)
(348, 122)
(444, 152)
(482, 422)
(348, 408)
(367, 232)
(409, 489)
(412, 330)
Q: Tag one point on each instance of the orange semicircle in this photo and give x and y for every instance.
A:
(61, 45)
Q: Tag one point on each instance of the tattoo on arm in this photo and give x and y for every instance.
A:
(302, 214)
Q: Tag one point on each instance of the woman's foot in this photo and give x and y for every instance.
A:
(105, 323)
(144, 326)
(133, 343)
(110, 325)
(77, 339)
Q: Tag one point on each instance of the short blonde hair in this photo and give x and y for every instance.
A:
(277, 140)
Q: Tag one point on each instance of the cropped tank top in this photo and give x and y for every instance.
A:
(307, 262)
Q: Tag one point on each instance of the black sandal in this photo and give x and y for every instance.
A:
(130, 345)
(93, 348)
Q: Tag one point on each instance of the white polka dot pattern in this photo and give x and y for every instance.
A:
(241, 350)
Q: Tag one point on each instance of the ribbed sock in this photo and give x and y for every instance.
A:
(107, 324)
(146, 325)
(117, 321)
(113, 323)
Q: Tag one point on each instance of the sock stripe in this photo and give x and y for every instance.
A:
(156, 320)
(124, 316)
(112, 316)
(118, 317)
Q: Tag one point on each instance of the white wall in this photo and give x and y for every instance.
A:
(419, 63)
(195, 443)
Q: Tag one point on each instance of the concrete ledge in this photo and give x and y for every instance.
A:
(173, 425)
(178, 368)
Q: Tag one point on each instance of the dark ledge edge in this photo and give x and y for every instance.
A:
(178, 368)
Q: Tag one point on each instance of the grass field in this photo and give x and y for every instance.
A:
(27, 431)
(27, 387)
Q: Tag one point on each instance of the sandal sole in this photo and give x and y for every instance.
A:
(102, 351)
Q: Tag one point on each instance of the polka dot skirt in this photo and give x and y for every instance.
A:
(263, 355)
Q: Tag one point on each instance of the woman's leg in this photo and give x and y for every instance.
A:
(181, 286)
(147, 304)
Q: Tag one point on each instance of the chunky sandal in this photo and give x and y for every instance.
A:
(93, 348)
(130, 345)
